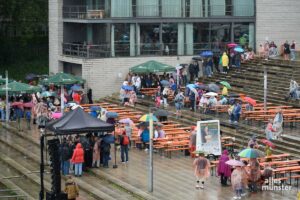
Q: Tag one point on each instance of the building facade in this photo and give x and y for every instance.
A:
(101, 39)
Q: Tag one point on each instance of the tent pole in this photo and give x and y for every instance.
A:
(150, 178)
(6, 94)
(42, 163)
(115, 149)
(62, 98)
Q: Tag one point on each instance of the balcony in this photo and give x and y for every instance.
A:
(80, 50)
(156, 11)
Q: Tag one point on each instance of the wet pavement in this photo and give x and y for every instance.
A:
(173, 178)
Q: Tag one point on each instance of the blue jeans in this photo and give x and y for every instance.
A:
(105, 159)
(124, 150)
(293, 54)
(208, 70)
(78, 169)
(235, 117)
(65, 167)
(2, 112)
(238, 192)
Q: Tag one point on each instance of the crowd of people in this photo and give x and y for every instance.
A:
(270, 50)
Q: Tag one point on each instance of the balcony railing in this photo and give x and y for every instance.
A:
(81, 50)
(146, 11)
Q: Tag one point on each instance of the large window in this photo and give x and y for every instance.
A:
(200, 37)
(149, 39)
(171, 8)
(244, 34)
(220, 36)
(121, 8)
(243, 7)
(147, 8)
(169, 38)
(122, 39)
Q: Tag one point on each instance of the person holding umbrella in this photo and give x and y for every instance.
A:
(179, 101)
(201, 169)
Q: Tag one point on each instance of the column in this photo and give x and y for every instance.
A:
(132, 39)
(189, 38)
(112, 40)
(89, 4)
(89, 32)
(251, 35)
(138, 40)
(206, 8)
(180, 39)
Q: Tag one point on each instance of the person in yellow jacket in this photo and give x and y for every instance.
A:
(224, 91)
(225, 62)
(71, 189)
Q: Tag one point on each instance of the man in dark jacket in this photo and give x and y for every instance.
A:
(105, 151)
(192, 71)
(66, 154)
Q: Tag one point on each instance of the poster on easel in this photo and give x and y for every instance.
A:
(208, 137)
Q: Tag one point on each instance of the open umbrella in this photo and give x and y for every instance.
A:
(212, 87)
(127, 87)
(126, 121)
(161, 113)
(56, 115)
(231, 45)
(233, 95)
(95, 108)
(112, 115)
(76, 88)
(48, 94)
(31, 76)
(197, 58)
(235, 163)
(250, 100)
(250, 153)
(238, 49)
(203, 87)
(19, 88)
(109, 138)
(151, 67)
(28, 105)
(79, 80)
(209, 94)
(206, 54)
(226, 84)
(146, 118)
(268, 143)
(165, 82)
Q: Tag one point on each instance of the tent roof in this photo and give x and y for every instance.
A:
(78, 121)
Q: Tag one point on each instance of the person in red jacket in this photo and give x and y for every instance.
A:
(78, 159)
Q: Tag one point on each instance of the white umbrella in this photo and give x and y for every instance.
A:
(209, 94)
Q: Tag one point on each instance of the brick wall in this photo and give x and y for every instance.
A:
(105, 76)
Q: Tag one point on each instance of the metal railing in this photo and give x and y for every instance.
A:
(167, 11)
(123, 49)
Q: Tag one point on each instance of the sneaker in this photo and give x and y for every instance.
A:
(202, 186)
(243, 194)
(235, 197)
(239, 197)
(123, 162)
(235, 122)
(146, 149)
(197, 186)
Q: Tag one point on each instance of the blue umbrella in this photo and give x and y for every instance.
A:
(109, 138)
(239, 49)
(111, 115)
(95, 108)
(76, 87)
(191, 86)
(127, 87)
(206, 54)
(165, 82)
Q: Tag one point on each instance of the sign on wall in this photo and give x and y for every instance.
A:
(208, 137)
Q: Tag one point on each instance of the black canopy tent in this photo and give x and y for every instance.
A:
(78, 121)
(74, 122)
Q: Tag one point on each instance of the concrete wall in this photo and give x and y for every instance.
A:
(278, 21)
(105, 76)
(55, 35)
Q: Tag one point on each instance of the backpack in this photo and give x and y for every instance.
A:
(125, 140)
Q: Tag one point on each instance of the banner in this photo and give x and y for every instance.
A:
(208, 137)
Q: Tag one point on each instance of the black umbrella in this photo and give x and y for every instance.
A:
(203, 87)
(197, 58)
(212, 87)
(31, 76)
(161, 113)
(233, 95)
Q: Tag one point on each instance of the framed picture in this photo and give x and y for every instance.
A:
(208, 137)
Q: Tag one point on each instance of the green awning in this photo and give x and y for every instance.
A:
(151, 67)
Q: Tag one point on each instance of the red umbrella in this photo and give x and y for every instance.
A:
(231, 45)
(28, 105)
(268, 143)
(250, 100)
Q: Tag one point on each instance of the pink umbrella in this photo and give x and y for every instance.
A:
(126, 121)
(250, 100)
(235, 163)
(231, 45)
(56, 115)
(17, 103)
(28, 105)
(268, 143)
